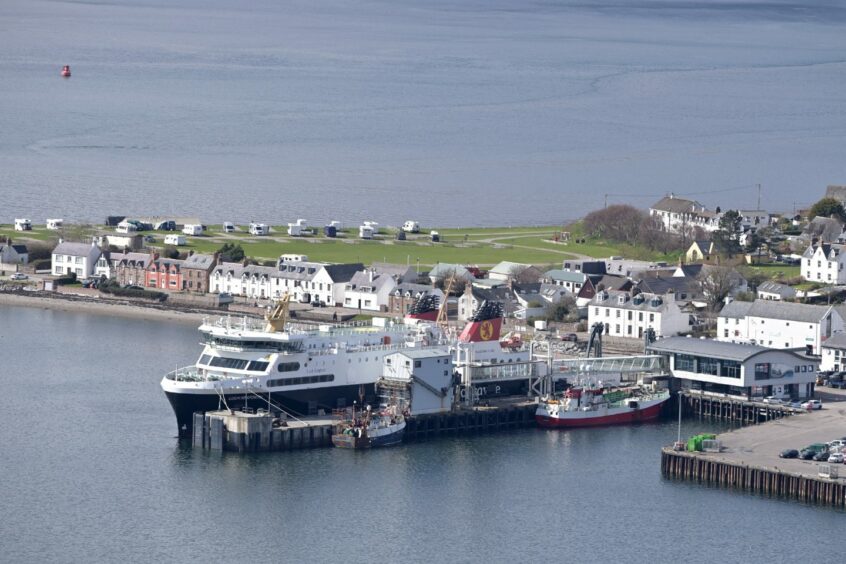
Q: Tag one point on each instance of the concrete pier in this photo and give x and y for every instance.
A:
(729, 408)
(748, 459)
(260, 431)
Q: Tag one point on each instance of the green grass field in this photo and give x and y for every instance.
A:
(481, 246)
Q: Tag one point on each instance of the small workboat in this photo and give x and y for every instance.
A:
(371, 430)
(66, 71)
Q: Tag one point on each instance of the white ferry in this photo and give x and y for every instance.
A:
(296, 367)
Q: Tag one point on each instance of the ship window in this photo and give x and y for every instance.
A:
(257, 366)
(301, 380)
(205, 359)
(417, 364)
(224, 362)
(288, 366)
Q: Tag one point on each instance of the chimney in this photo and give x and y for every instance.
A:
(370, 274)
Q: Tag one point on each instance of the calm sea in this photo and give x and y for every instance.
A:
(92, 472)
(449, 112)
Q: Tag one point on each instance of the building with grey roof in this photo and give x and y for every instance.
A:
(626, 315)
(678, 214)
(824, 263)
(743, 370)
(833, 357)
(74, 258)
(778, 324)
(770, 290)
(197, 269)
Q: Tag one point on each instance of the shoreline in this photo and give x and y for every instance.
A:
(120, 309)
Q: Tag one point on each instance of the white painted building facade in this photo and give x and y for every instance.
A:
(74, 258)
(627, 316)
(824, 263)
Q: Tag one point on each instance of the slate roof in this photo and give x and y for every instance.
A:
(707, 348)
(826, 228)
(565, 276)
(772, 309)
(20, 249)
(775, 288)
(343, 272)
(199, 261)
(676, 205)
(74, 249)
(411, 288)
(836, 341)
(141, 260)
(507, 267)
(646, 305)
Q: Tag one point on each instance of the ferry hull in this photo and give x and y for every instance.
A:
(587, 419)
(296, 402)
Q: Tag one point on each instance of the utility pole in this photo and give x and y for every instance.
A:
(606, 201)
(759, 197)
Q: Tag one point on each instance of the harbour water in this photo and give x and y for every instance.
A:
(91, 471)
(443, 109)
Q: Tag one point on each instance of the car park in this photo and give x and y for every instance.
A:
(789, 453)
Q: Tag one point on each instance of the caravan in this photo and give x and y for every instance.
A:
(54, 224)
(193, 229)
(23, 225)
(174, 239)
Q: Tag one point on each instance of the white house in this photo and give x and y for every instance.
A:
(13, 254)
(371, 288)
(778, 324)
(75, 258)
(824, 263)
(624, 315)
(753, 218)
(570, 280)
(304, 281)
(833, 357)
(678, 214)
(737, 369)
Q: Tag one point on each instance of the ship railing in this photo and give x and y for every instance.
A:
(504, 371)
(643, 364)
(192, 374)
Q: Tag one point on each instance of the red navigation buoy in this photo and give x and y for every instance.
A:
(66, 71)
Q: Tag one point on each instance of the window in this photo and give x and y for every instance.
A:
(231, 363)
(629, 316)
(417, 364)
(607, 312)
(617, 328)
(725, 333)
(640, 316)
(685, 362)
(288, 366)
(596, 311)
(618, 314)
(730, 369)
(709, 366)
(297, 381)
(651, 317)
(762, 371)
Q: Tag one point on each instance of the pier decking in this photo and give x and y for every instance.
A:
(250, 432)
(749, 460)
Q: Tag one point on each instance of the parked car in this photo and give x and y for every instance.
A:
(572, 337)
(789, 453)
(812, 404)
(796, 405)
(773, 400)
(18, 276)
(806, 454)
(836, 458)
(318, 303)
(821, 456)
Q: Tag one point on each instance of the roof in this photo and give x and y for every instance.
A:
(613, 300)
(361, 280)
(74, 249)
(507, 267)
(827, 228)
(412, 288)
(443, 269)
(20, 249)
(775, 288)
(565, 276)
(676, 205)
(708, 348)
(343, 272)
(836, 341)
(772, 309)
(703, 244)
(199, 261)
(661, 285)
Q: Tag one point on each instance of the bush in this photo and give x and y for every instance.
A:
(65, 280)
(114, 288)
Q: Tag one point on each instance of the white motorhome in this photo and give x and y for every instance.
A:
(411, 227)
(54, 224)
(259, 229)
(126, 227)
(228, 227)
(193, 229)
(297, 229)
(365, 232)
(174, 239)
(23, 225)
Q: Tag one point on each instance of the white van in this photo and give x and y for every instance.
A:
(228, 227)
(193, 229)
(23, 224)
(259, 229)
(54, 224)
(173, 239)
(411, 227)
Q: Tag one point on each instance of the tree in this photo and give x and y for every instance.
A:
(171, 252)
(726, 238)
(564, 310)
(524, 274)
(828, 207)
(231, 252)
(619, 223)
(715, 283)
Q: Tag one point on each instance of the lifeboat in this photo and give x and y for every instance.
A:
(66, 71)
